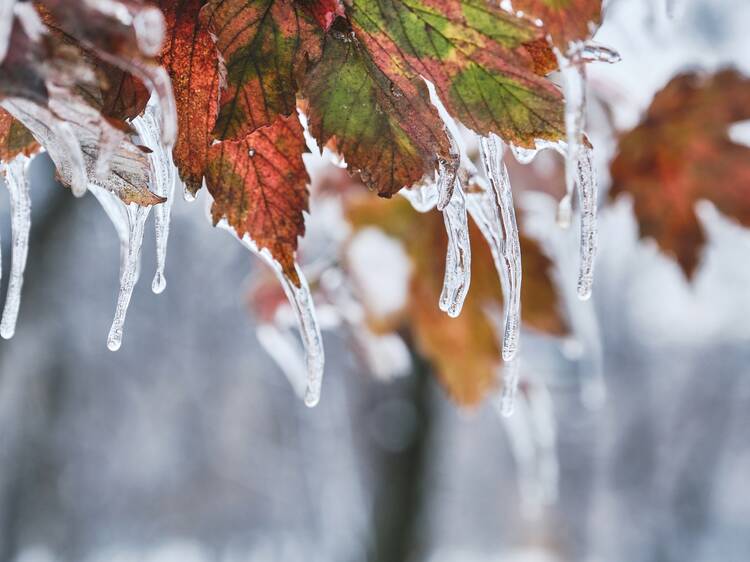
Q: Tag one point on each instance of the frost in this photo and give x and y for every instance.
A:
(17, 181)
(164, 178)
(458, 257)
(302, 304)
(496, 217)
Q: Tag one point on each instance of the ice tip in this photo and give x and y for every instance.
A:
(584, 292)
(312, 397)
(114, 341)
(159, 283)
(7, 332)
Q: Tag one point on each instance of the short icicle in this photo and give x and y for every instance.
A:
(148, 127)
(301, 301)
(423, 197)
(136, 219)
(17, 181)
(587, 197)
(458, 256)
(511, 374)
(506, 241)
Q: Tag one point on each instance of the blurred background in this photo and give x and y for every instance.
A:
(190, 445)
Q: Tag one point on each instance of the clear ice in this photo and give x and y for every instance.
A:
(423, 197)
(15, 173)
(148, 127)
(496, 216)
(458, 256)
(301, 301)
(447, 173)
(511, 374)
(6, 25)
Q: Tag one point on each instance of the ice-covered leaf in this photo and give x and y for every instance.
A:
(465, 351)
(483, 61)
(263, 43)
(392, 138)
(124, 96)
(681, 153)
(190, 57)
(565, 21)
(15, 139)
(259, 184)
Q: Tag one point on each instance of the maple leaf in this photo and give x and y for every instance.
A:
(482, 60)
(565, 21)
(681, 153)
(324, 12)
(15, 139)
(392, 139)
(191, 60)
(263, 43)
(259, 184)
(465, 351)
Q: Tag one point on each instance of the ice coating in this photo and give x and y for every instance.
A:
(501, 227)
(6, 25)
(423, 197)
(458, 256)
(57, 137)
(587, 197)
(16, 179)
(301, 301)
(595, 52)
(447, 172)
(163, 170)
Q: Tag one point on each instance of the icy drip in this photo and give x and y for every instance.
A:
(511, 374)
(447, 173)
(129, 271)
(16, 178)
(164, 177)
(587, 197)
(505, 240)
(423, 197)
(301, 301)
(578, 167)
(458, 256)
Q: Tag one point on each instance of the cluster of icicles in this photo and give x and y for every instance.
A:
(491, 208)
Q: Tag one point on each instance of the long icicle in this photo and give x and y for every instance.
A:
(458, 255)
(578, 166)
(17, 181)
(301, 301)
(137, 216)
(148, 126)
(492, 151)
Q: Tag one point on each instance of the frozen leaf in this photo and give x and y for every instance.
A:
(124, 96)
(15, 139)
(259, 184)
(565, 21)
(191, 59)
(483, 61)
(681, 153)
(465, 351)
(390, 138)
(263, 43)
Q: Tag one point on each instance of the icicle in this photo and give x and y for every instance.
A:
(458, 257)
(164, 177)
(6, 25)
(511, 373)
(16, 178)
(423, 197)
(109, 141)
(447, 172)
(578, 166)
(282, 346)
(506, 241)
(587, 197)
(302, 304)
